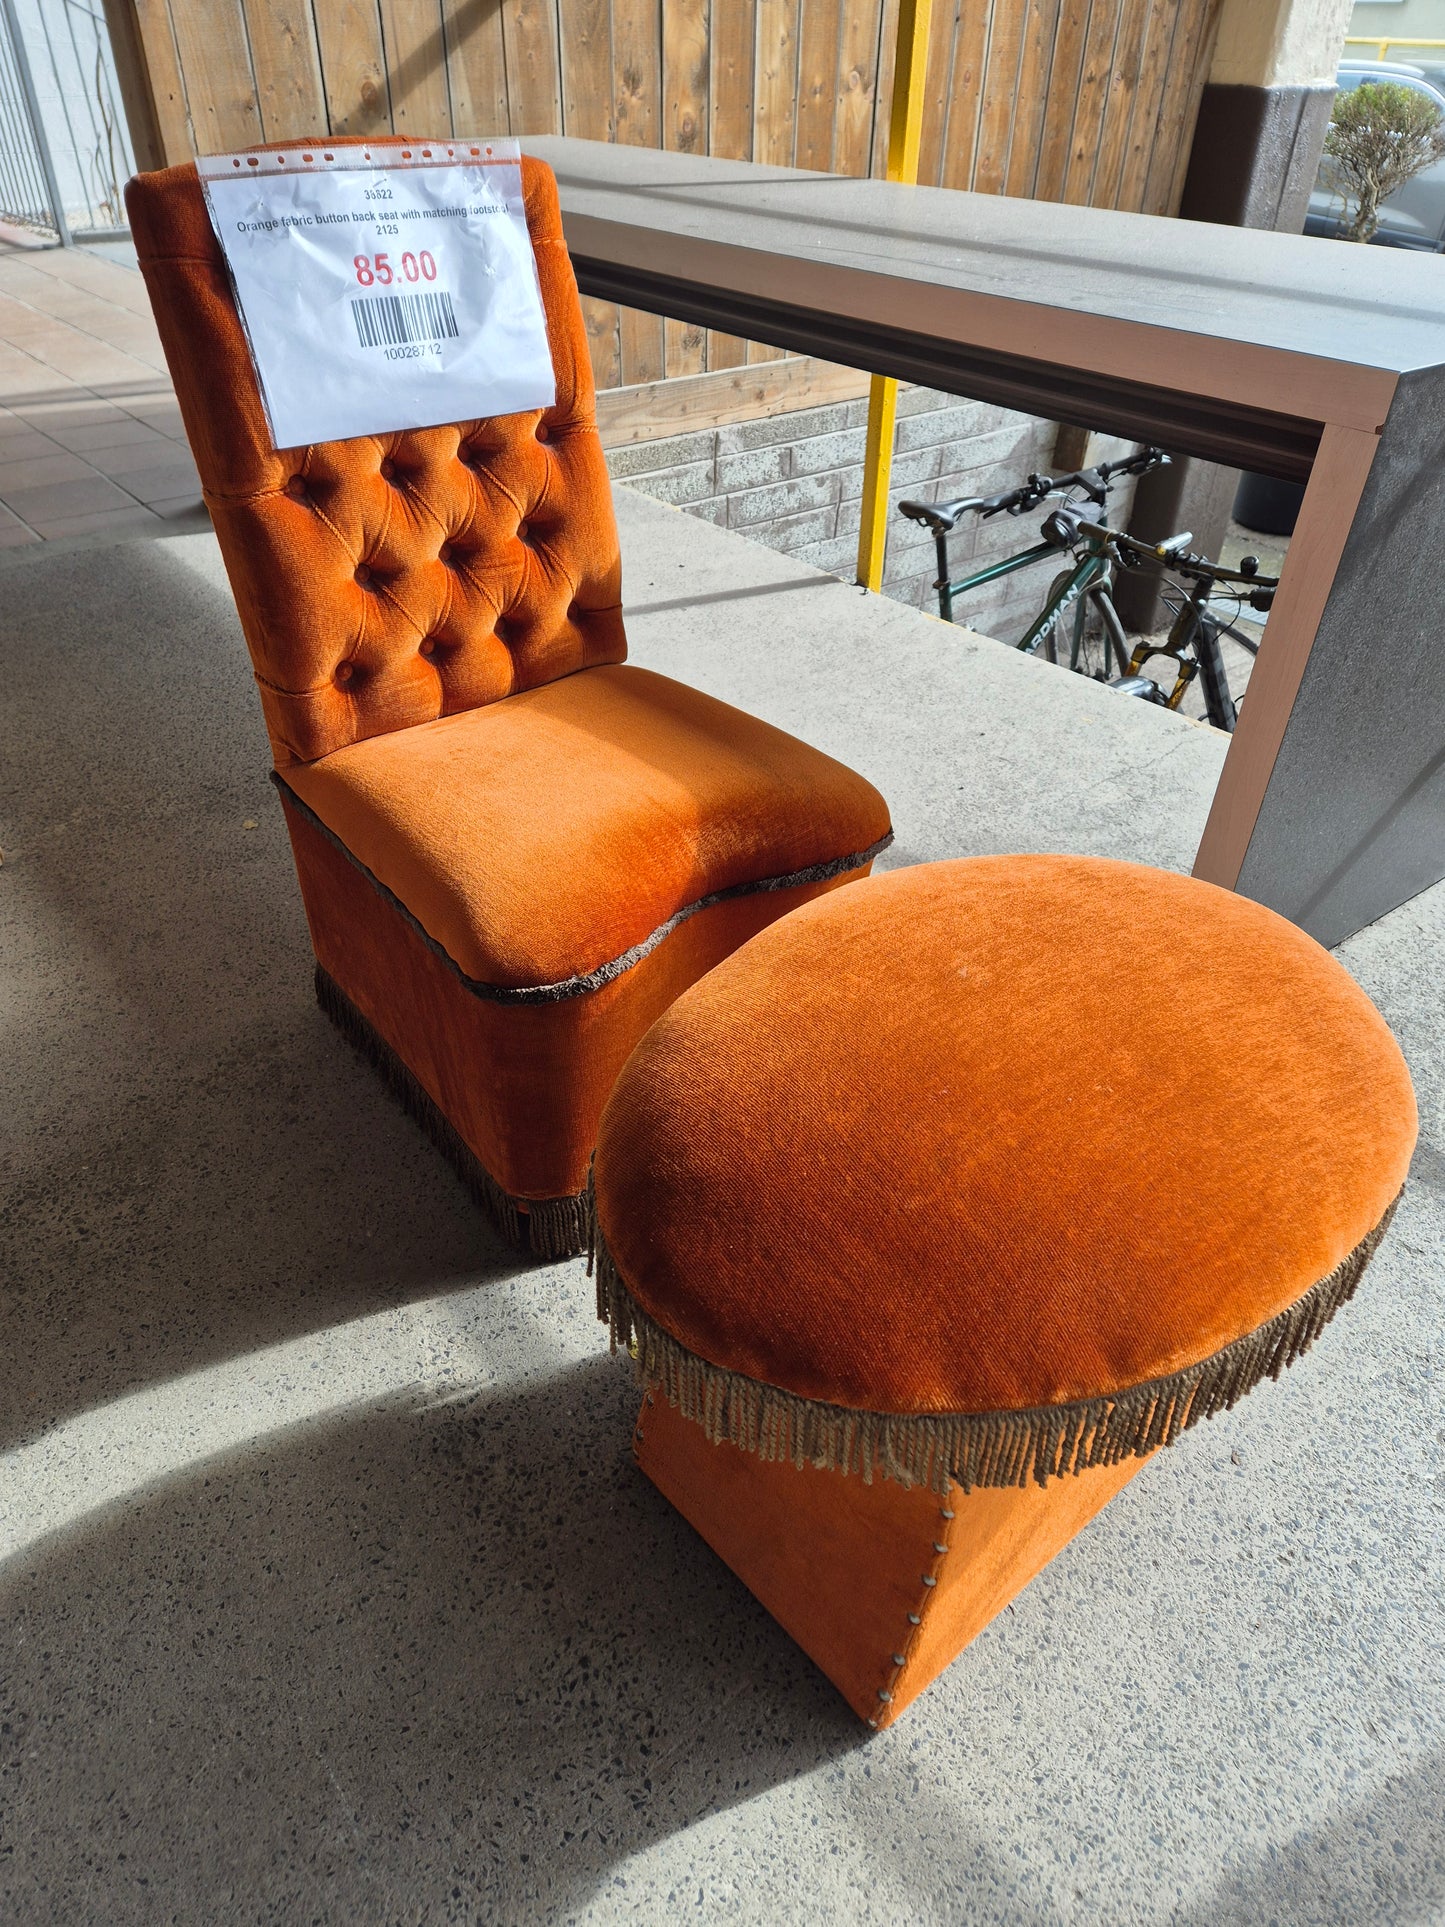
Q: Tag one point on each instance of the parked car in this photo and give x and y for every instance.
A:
(1413, 218)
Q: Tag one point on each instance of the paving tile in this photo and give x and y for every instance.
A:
(121, 285)
(58, 500)
(14, 535)
(133, 520)
(72, 410)
(25, 379)
(31, 471)
(70, 351)
(115, 447)
(163, 416)
(114, 430)
(21, 441)
(166, 483)
(183, 508)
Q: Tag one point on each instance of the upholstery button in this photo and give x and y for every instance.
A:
(388, 469)
(445, 552)
(544, 433)
(363, 574)
(428, 645)
(296, 488)
(344, 672)
(524, 533)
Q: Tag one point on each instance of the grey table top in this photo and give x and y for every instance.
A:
(1270, 328)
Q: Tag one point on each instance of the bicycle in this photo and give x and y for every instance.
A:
(1097, 634)
(1097, 642)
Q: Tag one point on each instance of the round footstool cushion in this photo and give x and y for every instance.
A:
(996, 1169)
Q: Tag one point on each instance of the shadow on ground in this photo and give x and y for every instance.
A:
(398, 1663)
(198, 1166)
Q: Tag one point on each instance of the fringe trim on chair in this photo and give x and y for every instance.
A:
(967, 1448)
(551, 1227)
(604, 973)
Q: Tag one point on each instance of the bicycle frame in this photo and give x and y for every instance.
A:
(947, 590)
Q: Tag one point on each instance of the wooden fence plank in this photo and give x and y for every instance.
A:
(353, 66)
(775, 83)
(288, 69)
(1001, 103)
(730, 82)
(637, 103)
(775, 101)
(415, 47)
(1059, 107)
(157, 50)
(1090, 101)
(1123, 89)
(629, 415)
(887, 48)
(476, 67)
(534, 74)
(857, 85)
(1199, 65)
(584, 30)
(938, 82)
(1035, 59)
(967, 87)
(1170, 131)
(730, 125)
(817, 84)
(215, 61)
(1162, 25)
(685, 130)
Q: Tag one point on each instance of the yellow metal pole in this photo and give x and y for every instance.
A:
(905, 128)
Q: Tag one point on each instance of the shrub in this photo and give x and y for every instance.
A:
(1380, 136)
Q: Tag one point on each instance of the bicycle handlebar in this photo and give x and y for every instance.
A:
(1066, 524)
(943, 517)
(1174, 554)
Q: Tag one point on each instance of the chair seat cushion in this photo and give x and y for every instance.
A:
(1002, 1134)
(545, 841)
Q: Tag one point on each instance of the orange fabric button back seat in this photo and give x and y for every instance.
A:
(919, 1275)
(515, 850)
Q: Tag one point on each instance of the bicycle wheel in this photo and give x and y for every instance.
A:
(1084, 648)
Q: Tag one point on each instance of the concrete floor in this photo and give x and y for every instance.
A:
(329, 1591)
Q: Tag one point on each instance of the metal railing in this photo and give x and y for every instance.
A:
(64, 148)
(1384, 44)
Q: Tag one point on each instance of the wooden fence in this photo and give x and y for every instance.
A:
(1083, 101)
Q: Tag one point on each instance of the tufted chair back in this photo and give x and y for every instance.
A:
(390, 579)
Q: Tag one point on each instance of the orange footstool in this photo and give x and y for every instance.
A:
(926, 1229)
(514, 848)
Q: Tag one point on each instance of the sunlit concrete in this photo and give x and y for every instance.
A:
(329, 1591)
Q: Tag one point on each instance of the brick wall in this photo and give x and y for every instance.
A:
(795, 482)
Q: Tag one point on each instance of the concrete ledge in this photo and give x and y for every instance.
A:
(977, 748)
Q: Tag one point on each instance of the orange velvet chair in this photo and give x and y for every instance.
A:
(514, 849)
(918, 1280)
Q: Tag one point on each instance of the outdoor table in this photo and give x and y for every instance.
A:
(1287, 355)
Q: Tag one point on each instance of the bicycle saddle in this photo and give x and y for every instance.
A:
(941, 517)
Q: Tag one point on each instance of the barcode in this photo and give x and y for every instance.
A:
(392, 320)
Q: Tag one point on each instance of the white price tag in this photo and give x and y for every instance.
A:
(384, 288)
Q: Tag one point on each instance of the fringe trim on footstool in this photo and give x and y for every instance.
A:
(551, 1227)
(967, 1448)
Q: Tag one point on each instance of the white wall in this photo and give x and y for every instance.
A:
(63, 39)
(1281, 43)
